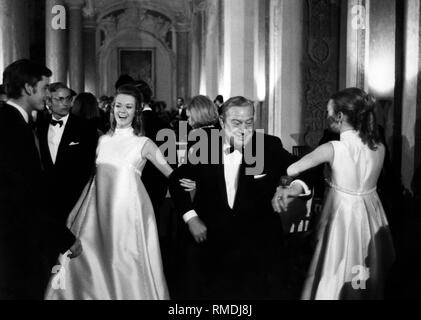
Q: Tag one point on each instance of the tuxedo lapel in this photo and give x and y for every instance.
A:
(43, 144)
(221, 183)
(65, 139)
(241, 185)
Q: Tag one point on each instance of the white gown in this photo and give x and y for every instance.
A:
(354, 250)
(115, 222)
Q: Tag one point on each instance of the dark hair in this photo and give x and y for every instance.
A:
(202, 112)
(358, 107)
(53, 87)
(137, 123)
(219, 98)
(2, 89)
(159, 106)
(124, 79)
(22, 72)
(235, 102)
(86, 106)
(145, 90)
(180, 98)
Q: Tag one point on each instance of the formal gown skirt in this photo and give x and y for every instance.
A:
(354, 248)
(121, 257)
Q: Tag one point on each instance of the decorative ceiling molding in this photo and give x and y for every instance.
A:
(178, 11)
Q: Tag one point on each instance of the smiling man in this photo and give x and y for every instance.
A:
(233, 239)
(67, 145)
(24, 226)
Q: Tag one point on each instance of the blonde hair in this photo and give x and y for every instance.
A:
(203, 112)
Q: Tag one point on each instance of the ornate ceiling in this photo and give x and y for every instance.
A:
(178, 11)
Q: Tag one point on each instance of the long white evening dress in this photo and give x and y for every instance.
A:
(115, 222)
(354, 247)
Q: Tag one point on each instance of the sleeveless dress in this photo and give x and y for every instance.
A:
(354, 248)
(115, 222)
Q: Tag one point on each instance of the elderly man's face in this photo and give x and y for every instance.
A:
(238, 125)
(60, 102)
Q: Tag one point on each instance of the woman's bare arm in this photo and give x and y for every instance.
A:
(151, 152)
(323, 153)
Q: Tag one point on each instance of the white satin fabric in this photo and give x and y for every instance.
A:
(354, 246)
(115, 221)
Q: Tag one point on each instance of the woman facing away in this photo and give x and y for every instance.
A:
(114, 218)
(354, 248)
(202, 115)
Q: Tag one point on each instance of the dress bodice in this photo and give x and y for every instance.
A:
(122, 150)
(355, 168)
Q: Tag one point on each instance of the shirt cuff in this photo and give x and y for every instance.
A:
(189, 215)
(307, 191)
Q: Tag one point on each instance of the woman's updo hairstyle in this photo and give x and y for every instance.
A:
(359, 109)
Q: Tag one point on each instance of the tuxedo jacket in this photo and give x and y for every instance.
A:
(251, 224)
(74, 163)
(24, 225)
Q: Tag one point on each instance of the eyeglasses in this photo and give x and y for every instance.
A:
(63, 99)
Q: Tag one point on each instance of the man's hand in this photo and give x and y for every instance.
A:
(188, 185)
(76, 249)
(197, 229)
(284, 196)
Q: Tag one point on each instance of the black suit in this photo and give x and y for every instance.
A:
(241, 258)
(72, 169)
(24, 224)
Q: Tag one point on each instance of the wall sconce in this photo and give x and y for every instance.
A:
(381, 76)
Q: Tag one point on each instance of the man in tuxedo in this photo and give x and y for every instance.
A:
(24, 225)
(67, 145)
(234, 239)
(178, 114)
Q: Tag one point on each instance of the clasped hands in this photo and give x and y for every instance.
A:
(284, 196)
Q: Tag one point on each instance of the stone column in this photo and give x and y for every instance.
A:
(357, 43)
(285, 97)
(211, 54)
(195, 53)
(182, 62)
(239, 48)
(89, 48)
(14, 33)
(76, 64)
(275, 67)
(411, 104)
(260, 66)
(56, 39)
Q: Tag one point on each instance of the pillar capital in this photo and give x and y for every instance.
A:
(75, 4)
(89, 23)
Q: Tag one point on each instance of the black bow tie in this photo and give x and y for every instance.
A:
(231, 149)
(56, 122)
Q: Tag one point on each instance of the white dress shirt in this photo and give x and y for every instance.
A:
(54, 137)
(232, 162)
(20, 109)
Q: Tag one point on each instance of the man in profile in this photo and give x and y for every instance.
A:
(24, 224)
